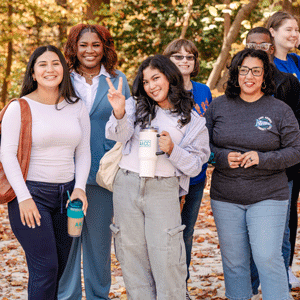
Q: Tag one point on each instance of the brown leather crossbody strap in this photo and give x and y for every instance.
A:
(24, 149)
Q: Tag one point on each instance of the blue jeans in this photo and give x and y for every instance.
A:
(189, 216)
(258, 227)
(286, 249)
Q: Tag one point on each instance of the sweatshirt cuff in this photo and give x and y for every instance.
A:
(175, 154)
(119, 123)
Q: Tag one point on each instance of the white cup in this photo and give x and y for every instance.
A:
(148, 151)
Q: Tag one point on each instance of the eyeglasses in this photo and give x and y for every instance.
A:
(262, 46)
(181, 57)
(256, 71)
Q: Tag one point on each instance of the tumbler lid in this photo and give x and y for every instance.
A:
(77, 203)
(149, 129)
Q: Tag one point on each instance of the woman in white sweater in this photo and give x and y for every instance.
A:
(59, 162)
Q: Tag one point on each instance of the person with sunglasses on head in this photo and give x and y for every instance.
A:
(185, 55)
(287, 90)
(254, 138)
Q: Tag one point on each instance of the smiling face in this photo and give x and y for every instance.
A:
(48, 70)
(90, 52)
(185, 66)
(156, 86)
(251, 85)
(286, 35)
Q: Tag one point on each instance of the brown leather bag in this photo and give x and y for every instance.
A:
(7, 194)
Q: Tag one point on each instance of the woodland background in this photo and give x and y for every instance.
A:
(139, 27)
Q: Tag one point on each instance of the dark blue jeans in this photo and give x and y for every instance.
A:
(47, 246)
(189, 216)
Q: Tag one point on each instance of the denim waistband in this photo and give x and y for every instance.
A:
(59, 188)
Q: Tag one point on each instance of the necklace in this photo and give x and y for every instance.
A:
(88, 75)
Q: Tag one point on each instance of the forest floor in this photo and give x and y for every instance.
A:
(206, 282)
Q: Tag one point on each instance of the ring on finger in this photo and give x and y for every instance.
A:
(250, 159)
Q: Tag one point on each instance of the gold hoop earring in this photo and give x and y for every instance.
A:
(264, 87)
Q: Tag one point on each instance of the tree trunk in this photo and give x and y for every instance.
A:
(226, 20)
(62, 25)
(186, 20)
(8, 59)
(243, 13)
(93, 6)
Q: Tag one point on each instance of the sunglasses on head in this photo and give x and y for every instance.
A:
(181, 57)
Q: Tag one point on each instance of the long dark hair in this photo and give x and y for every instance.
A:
(233, 89)
(66, 89)
(180, 99)
(109, 59)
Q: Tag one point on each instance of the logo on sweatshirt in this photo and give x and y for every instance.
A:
(263, 123)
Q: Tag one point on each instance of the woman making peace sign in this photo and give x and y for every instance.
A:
(147, 229)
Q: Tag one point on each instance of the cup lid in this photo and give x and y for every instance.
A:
(77, 203)
(152, 128)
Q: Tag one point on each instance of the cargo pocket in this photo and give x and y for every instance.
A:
(117, 241)
(176, 248)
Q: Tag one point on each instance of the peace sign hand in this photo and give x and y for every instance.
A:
(116, 98)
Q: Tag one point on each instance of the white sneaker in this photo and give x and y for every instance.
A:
(255, 297)
(294, 281)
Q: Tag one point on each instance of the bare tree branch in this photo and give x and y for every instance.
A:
(186, 19)
(243, 13)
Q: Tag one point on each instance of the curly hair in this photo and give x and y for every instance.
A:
(176, 45)
(181, 100)
(109, 59)
(66, 89)
(233, 89)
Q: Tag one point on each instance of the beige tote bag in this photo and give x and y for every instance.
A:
(109, 166)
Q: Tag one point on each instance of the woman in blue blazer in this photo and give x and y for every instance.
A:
(91, 56)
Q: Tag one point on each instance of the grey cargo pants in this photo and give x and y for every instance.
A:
(148, 236)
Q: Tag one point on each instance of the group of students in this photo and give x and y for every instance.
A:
(81, 104)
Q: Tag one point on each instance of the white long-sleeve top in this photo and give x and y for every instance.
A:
(60, 145)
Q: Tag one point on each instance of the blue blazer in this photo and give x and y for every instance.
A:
(99, 115)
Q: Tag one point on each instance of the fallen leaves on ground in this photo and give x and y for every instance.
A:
(207, 278)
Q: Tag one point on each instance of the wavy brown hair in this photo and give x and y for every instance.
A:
(181, 100)
(109, 59)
